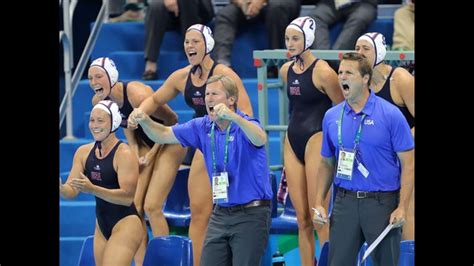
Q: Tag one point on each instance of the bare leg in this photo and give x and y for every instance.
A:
(167, 162)
(312, 159)
(140, 255)
(99, 245)
(200, 196)
(123, 244)
(142, 187)
(297, 187)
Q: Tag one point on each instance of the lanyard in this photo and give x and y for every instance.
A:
(213, 148)
(339, 130)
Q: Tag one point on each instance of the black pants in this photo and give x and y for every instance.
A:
(357, 19)
(355, 221)
(236, 236)
(158, 20)
(276, 16)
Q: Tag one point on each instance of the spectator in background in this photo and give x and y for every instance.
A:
(191, 82)
(115, 7)
(312, 87)
(404, 31)
(162, 15)
(108, 170)
(158, 163)
(404, 27)
(275, 14)
(357, 16)
(397, 86)
(125, 11)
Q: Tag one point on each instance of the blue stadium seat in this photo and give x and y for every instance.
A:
(77, 218)
(384, 26)
(246, 41)
(70, 250)
(131, 63)
(177, 210)
(407, 253)
(130, 36)
(286, 222)
(169, 251)
(87, 252)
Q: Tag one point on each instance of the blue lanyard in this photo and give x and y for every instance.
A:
(213, 148)
(339, 130)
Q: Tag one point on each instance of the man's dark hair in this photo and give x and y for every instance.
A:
(364, 66)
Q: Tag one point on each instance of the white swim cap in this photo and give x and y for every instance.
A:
(112, 109)
(307, 26)
(207, 35)
(378, 42)
(109, 67)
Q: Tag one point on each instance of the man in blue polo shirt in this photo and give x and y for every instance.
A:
(375, 181)
(233, 147)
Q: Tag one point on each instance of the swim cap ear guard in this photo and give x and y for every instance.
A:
(206, 34)
(378, 42)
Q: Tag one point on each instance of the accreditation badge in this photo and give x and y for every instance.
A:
(345, 164)
(220, 183)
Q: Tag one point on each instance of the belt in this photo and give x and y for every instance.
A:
(365, 194)
(254, 203)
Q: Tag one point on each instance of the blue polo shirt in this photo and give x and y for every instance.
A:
(247, 164)
(385, 132)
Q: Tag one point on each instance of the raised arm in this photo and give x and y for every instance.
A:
(163, 94)
(160, 97)
(256, 134)
(140, 92)
(155, 131)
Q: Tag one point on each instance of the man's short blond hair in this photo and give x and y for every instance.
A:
(230, 87)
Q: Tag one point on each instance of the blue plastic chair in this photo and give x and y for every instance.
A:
(407, 253)
(87, 252)
(169, 251)
(177, 210)
(286, 222)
